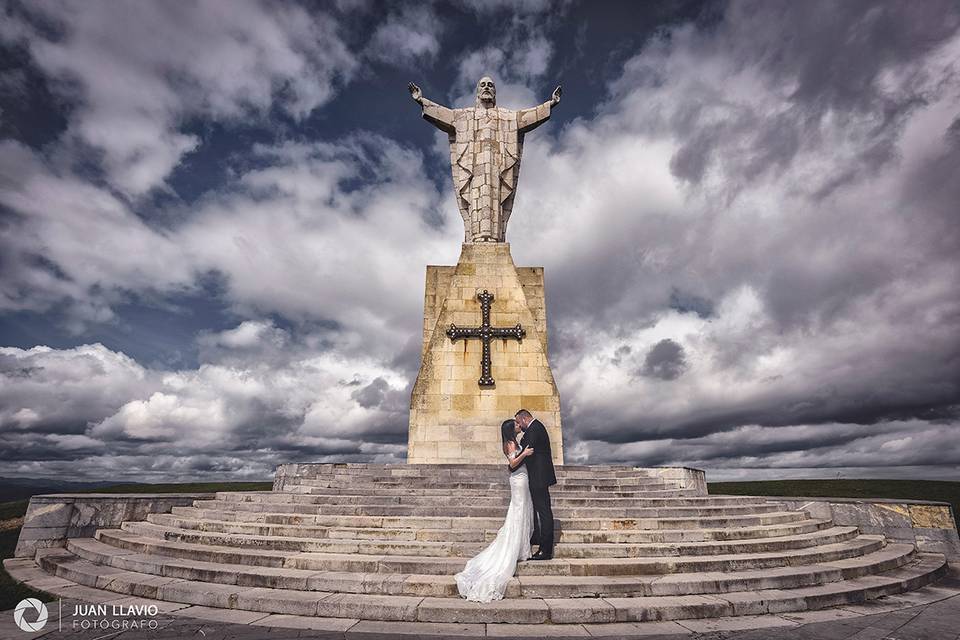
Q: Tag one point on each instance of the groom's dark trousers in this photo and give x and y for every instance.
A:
(542, 519)
(541, 477)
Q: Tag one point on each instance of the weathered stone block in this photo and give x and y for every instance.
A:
(52, 519)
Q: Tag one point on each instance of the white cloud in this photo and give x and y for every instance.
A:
(288, 238)
(87, 237)
(407, 36)
(306, 404)
(310, 250)
(250, 334)
(140, 71)
(65, 390)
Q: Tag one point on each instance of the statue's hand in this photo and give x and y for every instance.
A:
(555, 98)
(415, 92)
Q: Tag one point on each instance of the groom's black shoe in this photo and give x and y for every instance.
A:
(540, 555)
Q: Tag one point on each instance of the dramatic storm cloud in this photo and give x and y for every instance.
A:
(215, 220)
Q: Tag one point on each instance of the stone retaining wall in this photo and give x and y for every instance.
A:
(931, 526)
(51, 519)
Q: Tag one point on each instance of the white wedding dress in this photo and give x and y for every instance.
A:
(485, 577)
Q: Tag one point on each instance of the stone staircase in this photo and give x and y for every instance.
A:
(383, 542)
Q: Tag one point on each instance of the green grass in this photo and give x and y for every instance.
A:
(13, 509)
(937, 490)
(11, 592)
(189, 487)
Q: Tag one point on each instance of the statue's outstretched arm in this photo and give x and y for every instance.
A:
(530, 119)
(436, 114)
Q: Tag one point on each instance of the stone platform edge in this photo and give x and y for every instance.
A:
(684, 477)
(53, 518)
(929, 525)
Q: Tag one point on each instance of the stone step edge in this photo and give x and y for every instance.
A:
(812, 523)
(493, 480)
(628, 512)
(524, 611)
(502, 493)
(485, 475)
(25, 571)
(722, 547)
(650, 512)
(469, 522)
(601, 503)
(413, 472)
(380, 564)
(890, 557)
(607, 513)
(654, 490)
(487, 469)
(499, 489)
(403, 470)
(658, 492)
(505, 492)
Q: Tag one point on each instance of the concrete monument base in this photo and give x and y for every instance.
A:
(455, 413)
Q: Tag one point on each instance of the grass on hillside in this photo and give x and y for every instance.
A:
(187, 487)
(936, 490)
(13, 509)
(12, 592)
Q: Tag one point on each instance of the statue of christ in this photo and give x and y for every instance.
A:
(486, 142)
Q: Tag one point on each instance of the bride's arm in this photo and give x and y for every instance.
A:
(518, 460)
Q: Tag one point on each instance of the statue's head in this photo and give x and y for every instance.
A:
(486, 92)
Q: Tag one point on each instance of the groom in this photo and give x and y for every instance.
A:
(541, 477)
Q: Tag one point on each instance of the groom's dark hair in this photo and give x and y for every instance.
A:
(508, 431)
(523, 413)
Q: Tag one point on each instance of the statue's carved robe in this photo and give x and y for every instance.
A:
(485, 150)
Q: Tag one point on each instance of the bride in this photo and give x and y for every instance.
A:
(485, 577)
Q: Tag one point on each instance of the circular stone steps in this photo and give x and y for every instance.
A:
(886, 559)
(498, 496)
(446, 565)
(529, 610)
(382, 543)
(470, 510)
(468, 549)
(620, 524)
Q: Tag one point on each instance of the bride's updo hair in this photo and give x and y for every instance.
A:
(508, 432)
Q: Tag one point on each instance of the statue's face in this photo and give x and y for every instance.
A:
(487, 91)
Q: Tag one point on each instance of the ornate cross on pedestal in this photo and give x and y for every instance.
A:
(485, 333)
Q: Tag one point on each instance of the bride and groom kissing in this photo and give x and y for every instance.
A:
(529, 519)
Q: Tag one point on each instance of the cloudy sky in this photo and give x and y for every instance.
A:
(215, 219)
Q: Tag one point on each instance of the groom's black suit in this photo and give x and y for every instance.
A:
(541, 477)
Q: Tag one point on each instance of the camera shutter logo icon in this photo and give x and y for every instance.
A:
(27, 607)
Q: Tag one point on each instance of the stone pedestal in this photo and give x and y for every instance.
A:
(453, 420)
